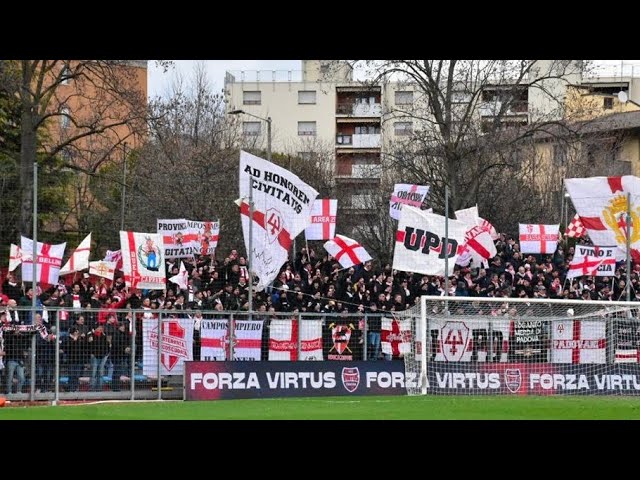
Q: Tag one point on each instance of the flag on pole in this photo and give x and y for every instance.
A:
(591, 260)
(346, 251)
(102, 269)
(16, 256)
(182, 278)
(114, 256)
(79, 259)
(323, 220)
(575, 229)
(539, 238)
(143, 260)
(406, 194)
(48, 261)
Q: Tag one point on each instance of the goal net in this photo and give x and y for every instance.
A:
(470, 345)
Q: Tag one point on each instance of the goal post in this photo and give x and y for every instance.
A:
(473, 345)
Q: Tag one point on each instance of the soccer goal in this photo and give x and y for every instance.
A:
(470, 345)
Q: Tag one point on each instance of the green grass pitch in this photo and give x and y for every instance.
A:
(338, 408)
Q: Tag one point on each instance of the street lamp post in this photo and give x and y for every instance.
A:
(250, 252)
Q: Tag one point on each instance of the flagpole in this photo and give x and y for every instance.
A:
(446, 243)
(250, 253)
(629, 247)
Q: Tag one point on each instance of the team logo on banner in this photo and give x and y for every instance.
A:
(340, 334)
(150, 255)
(615, 216)
(513, 379)
(456, 336)
(350, 378)
(274, 224)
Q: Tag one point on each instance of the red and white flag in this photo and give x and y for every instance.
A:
(406, 194)
(578, 341)
(323, 220)
(471, 217)
(590, 260)
(395, 337)
(79, 259)
(143, 260)
(420, 242)
(538, 238)
(601, 203)
(103, 269)
(282, 209)
(186, 238)
(182, 278)
(575, 229)
(215, 341)
(15, 257)
(175, 341)
(283, 340)
(114, 256)
(48, 261)
(346, 251)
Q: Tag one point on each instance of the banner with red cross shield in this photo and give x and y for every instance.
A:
(175, 341)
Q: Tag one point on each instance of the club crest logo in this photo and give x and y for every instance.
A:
(340, 334)
(150, 255)
(615, 215)
(513, 379)
(350, 378)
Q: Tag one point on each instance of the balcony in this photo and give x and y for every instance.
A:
(371, 140)
(492, 108)
(359, 109)
(342, 140)
(347, 169)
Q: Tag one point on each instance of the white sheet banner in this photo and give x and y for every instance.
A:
(283, 340)
(247, 341)
(578, 341)
(176, 341)
(420, 242)
(143, 260)
(282, 209)
(406, 194)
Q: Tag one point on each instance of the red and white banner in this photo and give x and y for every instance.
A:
(590, 260)
(186, 238)
(601, 203)
(578, 341)
(102, 269)
(176, 341)
(406, 194)
(420, 242)
(143, 260)
(48, 261)
(323, 220)
(247, 340)
(395, 337)
(15, 257)
(538, 238)
(471, 217)
(346, 251)
(79, 259)
(283, 340)
(575, 229)
(459, 341)
(114, 256)
(282, 209)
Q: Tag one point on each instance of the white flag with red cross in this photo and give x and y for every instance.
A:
(79, 259)
(283, 340)
(103, 269)
(541, 239)
(592, 260)
(216, 343)
(420, 241)
(406, 194)
(175, 342)
(323, 220)
(143, 260)
(578, 341)
(15, 257)
(601, 203)
(575, 229)
(471, 217)
(48, 261)
(281, 210)
(346, 251)
(395, 337)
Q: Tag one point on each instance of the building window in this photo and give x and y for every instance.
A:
(65, 120)
(306, 97)
(251, 98)
(65, 75)
(251, 128)
(560, 154)
(404, 98)
(367, 129)
(460, 97)
(608, 103)
(306, 128)
(403, 128)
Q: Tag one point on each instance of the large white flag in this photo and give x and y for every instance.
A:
(143, 260)
(471, 217)
(591, 260)
(79, 259)
(601, 203)
(283, 340)
(323, 220)
(101, 268)
(541, 239)
(15, 257)
(479, 245)
(282, 207)
(346, 251)
(247, 340)
(184, 238)
(579, 341)
(406, 194)
(48, 261)
(420, 242)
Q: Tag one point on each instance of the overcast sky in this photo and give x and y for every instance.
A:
(158, 81)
